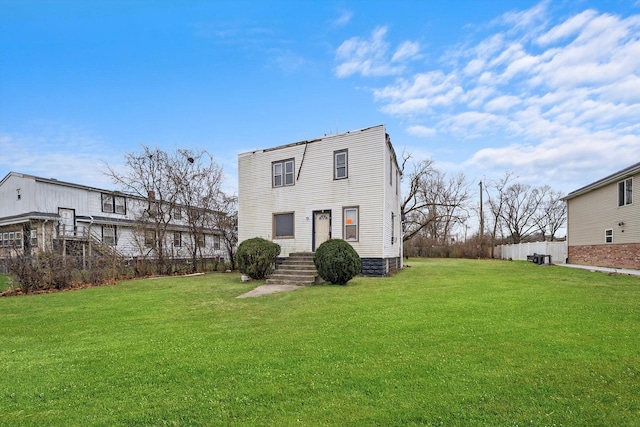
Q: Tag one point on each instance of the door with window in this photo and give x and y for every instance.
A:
(67, 223)
(321, 228)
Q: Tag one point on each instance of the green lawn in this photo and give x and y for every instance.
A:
(4, 282)
(445, 342)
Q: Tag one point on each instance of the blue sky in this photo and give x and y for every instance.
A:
(550, 90)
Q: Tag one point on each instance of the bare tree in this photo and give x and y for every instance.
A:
(148, 176)
(496, 200)
(226, 220)
(434, 205)
(521, 205)
(552, 214)
(197, 179)
(414, 207)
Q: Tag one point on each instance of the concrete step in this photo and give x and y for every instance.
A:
(297, 269)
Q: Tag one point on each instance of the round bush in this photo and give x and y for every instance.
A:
(256, 256)
(337, 262)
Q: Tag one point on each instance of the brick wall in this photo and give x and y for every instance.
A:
(616, 256)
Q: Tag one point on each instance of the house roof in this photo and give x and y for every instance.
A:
(620, 175)
(294, 144)
(62, 183)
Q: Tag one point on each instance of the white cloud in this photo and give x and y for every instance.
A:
(60, 152)
(370, 57)
(421, 131)
(407, 50)
(537, 91)
(343, 19)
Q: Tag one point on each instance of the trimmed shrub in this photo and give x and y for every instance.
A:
(337, 262)
(256, 257)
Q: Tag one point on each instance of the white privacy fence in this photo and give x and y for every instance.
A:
(557, 250)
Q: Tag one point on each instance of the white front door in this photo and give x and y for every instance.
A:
(321, 227)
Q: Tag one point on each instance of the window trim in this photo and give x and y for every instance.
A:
(608, 235)
(625, 192)
(336, 154)
(283, 175)
(293, 225)
(344, 223)
(177, 238)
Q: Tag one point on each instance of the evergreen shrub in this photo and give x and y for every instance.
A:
(337, 262)
(255, 257)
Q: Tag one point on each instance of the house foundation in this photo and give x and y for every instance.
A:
(615, 256)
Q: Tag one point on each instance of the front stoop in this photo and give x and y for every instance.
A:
(297, 269)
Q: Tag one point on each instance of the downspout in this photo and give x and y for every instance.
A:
(44, 236)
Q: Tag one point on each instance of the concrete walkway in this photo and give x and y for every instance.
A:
(269, 289)
(603, 269)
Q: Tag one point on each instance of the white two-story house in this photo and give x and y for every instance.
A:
(39, 214)
(344, 186)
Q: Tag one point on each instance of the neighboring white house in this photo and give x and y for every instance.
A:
(603, 221)
(40, 214)
(344, 186)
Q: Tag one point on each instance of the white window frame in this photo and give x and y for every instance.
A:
(107, 238)
(113, 204)
(340, 165)
(625, 192)
(608, 235)
(216, 242)
(348, 223)
(275, 227)
(282, 173)
(177, 239)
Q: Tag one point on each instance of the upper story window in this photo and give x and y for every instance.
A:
(282, 173)
(625, 192)
(177, 213)
(340, 165)
(109, 235)
(114, 204)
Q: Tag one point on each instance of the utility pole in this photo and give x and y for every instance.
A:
(481, 224)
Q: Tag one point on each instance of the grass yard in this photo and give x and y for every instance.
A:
(445, 342)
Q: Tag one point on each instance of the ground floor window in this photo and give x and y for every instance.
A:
(351, 219)
(201, 240)
(283, 225)
(608, 236)
(177, 239)
(216, 243)
(150, 238)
